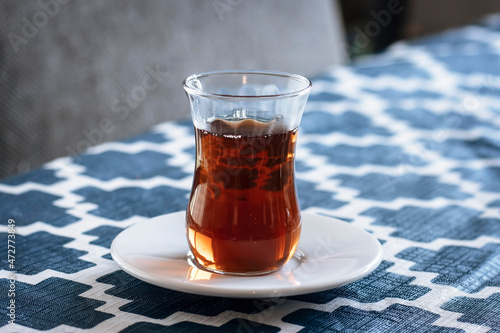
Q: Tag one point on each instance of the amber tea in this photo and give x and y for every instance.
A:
(249, 219)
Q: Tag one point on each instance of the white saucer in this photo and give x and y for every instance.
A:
(331, 253)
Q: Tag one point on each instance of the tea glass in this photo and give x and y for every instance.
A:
(243, 215)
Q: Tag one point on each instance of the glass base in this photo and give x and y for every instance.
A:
(195, 263)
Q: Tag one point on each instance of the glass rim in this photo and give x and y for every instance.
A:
(200, 92)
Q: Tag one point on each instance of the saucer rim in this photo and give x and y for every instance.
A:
(235, 291)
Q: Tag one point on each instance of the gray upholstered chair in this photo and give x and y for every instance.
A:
(74, 73)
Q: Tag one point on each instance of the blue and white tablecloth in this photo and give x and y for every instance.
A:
(405, 144)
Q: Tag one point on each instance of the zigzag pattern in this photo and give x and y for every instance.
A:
(404, 144)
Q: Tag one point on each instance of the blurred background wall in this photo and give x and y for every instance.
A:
(76, 73)
(372, 25)
(430, 16)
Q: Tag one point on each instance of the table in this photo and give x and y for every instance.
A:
(405, 144)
